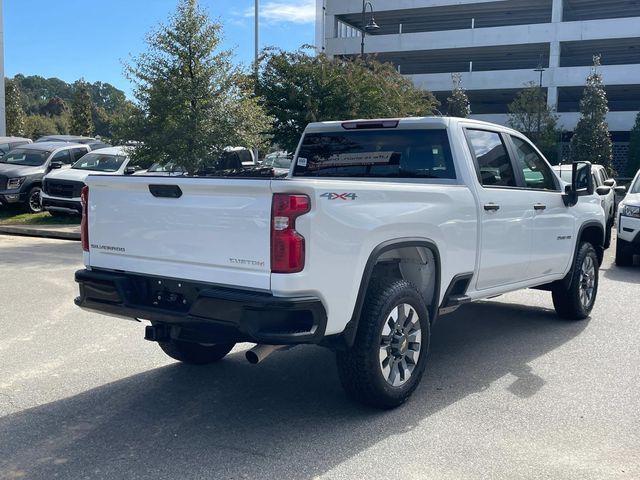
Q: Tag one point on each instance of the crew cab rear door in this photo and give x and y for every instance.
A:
(505, 212)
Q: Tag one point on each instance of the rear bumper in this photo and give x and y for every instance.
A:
(200, 312)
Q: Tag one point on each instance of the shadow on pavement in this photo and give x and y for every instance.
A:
(623, 274)
(39, 252)
(285, 418)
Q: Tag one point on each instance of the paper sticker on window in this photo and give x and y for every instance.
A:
(302, 162)
(356, 159)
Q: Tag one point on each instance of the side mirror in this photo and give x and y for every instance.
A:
(55, 165)
(602, 191)
(610, 183)
(581, 183)
(129, 170)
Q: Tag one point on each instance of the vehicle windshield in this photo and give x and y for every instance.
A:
(635, 188)
(28, 158)
(277, 162)
(99, 162)
(167, 167)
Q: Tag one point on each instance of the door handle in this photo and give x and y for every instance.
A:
(539, 206)
(491, 207)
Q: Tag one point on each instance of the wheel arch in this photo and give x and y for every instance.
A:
(594, 233)
(380, 257)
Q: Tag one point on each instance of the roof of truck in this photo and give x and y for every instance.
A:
(408, 122)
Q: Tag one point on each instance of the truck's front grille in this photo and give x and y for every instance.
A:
(63, 188)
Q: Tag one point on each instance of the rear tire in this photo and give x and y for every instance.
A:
(576, 301)
(195, 353)
(389, 355)
(624, 258)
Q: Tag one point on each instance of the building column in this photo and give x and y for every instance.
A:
(3, 115)
(554, 64)
(557, 11)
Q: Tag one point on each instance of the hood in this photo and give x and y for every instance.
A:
(631, 199)
(20, 170)
(68, 174)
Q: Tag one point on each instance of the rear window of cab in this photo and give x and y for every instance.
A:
(418, 153)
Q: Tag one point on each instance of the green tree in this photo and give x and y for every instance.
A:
(192, 102)
(298, 88)
(458, 103)
(633, 162)
(16, 118)
(530, 114)
(38, 125)
(54, 107)
(591, 140)
(81, 111)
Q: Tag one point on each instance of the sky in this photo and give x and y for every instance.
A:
(90, 39)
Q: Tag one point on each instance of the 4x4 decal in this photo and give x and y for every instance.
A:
(339, 196)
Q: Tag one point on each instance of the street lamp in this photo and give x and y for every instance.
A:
(369, 27)
(540, 69)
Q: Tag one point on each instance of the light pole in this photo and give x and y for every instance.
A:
(369, 27)
(540, 69)
(257, 38)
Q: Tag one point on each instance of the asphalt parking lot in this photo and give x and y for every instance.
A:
(511, 392)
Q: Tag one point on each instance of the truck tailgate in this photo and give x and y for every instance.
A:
(203, 229)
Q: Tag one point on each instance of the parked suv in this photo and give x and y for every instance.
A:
(93, 143)
(22, 170)
(61, 188)
(9, 143)
(381, 226)
(628, 242)
(605, 187)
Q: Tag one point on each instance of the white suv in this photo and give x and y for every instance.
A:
(628, 242)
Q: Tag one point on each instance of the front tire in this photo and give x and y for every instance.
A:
(195, 353)
(576, 301)
(607, 238)
(624, 258)
(389, 355)
(34, 200)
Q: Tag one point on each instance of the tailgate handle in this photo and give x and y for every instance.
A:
(165, 191)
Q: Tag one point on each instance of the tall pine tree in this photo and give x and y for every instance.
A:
(16, 118)
(530, 114)
(458, 102)
(591, 140)
(81, 110)
(192, 101)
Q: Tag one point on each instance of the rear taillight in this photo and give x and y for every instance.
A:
(84, 224)
(287, 245)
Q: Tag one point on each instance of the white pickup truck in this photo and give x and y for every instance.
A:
(380, 226)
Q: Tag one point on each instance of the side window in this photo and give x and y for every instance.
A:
(493, 161)
(537, 173)
(62, 156)
(4, 148)
(603, 176)
(78, 153)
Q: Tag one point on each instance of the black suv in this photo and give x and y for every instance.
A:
(22, 169)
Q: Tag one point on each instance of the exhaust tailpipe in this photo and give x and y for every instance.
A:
(260, 352)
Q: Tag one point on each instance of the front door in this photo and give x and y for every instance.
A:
(553, 226)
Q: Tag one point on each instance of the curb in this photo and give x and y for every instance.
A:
(27, 231)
